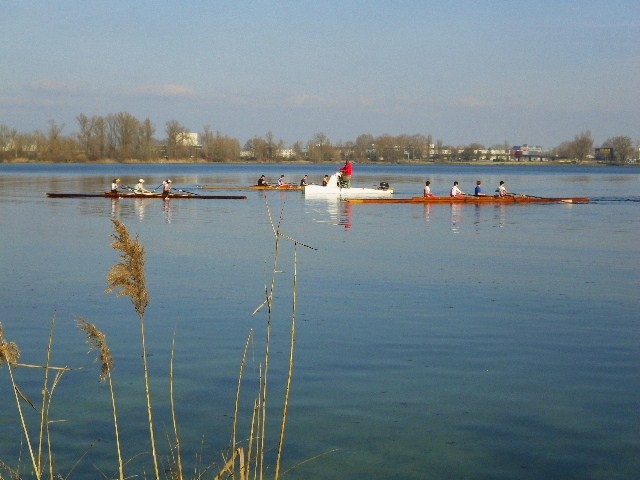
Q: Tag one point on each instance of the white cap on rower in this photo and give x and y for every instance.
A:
(141, 180)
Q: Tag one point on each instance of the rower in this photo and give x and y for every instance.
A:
(166, 188)
(455, 190)
(502, 190)
(139, 188)
(115, 185)
(427, 189)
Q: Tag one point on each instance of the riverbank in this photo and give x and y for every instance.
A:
(196, 161)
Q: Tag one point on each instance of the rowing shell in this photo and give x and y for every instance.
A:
(147, 195)
(472, 199)
(251, 187)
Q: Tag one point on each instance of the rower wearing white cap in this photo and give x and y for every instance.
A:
(139, 188)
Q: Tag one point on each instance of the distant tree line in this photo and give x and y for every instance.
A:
(122, 137)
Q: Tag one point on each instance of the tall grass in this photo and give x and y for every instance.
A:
(246, 457)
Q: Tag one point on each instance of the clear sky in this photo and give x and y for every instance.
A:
(535, 71)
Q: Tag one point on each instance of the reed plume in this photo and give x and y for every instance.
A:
(97, 340)
(128, 275)
(9, 351)
(9, 354)
(128, 278)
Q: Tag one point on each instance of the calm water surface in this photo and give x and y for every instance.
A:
(440, 342)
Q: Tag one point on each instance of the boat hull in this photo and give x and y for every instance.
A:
(333, 190)
(251, 187)
(189, 196)
(316, 191)
(511, 199)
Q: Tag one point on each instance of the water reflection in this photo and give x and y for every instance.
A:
(166, 209)
(456, 217)
(345, 214)
(115, 208)
(427, 213)
(140, 205)
(477, 217)
(338, 211)
(501, 215)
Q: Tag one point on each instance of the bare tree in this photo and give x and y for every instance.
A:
(173, 130)
(622, 148)
(146, 143)
(582, 146)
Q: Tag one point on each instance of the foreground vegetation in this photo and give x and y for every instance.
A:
(122, 137)
(245, 456)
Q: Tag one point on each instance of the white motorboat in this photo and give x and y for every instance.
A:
(335, 189)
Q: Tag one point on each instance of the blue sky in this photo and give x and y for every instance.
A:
(537, 72)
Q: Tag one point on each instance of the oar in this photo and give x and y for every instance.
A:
(184, 191)
(522, 195)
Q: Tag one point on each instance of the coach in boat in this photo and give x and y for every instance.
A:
(346, 173)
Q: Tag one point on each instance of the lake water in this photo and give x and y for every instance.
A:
(432, 341)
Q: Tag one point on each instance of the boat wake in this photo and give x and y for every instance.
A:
(634, 199)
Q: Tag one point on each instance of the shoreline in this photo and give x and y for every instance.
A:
(191, 161)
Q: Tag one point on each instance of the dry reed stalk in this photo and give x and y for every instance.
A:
(97, 340)
(173, 410)
(269, 295)
(9, 354)
(43, 409)
(54, 384)
(128, 278)
(269, 301)
(237, 402)
(290, 371)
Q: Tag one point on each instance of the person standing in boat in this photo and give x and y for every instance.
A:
(115, 185)
(347, 171)
(262, 181)
(455, 190)
(502, 190)
(166, 188)
(139, 188)
(478, 190)
(304, 181)
(427, 189)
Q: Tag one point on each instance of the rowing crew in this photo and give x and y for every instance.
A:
(139, 188)
(304, 181)
(456, 192)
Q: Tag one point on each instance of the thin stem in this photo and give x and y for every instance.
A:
(148, 394)
(290, 372)
(115, 424)
(173, 410)
(36, 469)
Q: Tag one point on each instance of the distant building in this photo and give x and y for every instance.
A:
(188, 139)
(605, 154)
(526, 152)
(286, 153)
